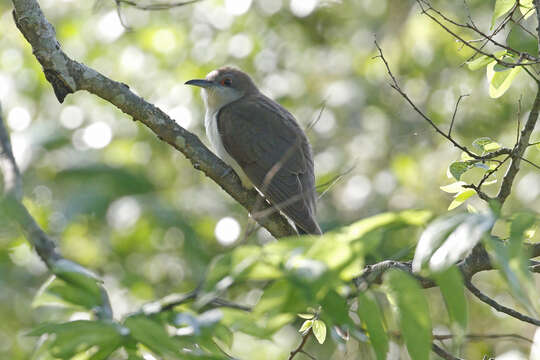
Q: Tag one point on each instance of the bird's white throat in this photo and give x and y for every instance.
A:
(212, 132)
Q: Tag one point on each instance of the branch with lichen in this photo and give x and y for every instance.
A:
(68, 76)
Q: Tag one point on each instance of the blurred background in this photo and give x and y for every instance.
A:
(133, 209)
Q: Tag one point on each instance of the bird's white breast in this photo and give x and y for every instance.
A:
(212, 132)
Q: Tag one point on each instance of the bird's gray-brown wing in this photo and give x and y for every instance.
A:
(273, 151)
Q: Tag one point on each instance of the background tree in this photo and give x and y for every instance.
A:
(132, 210)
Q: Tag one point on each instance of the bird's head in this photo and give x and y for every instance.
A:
(223, 86)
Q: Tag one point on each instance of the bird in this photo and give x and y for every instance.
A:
(262, 142)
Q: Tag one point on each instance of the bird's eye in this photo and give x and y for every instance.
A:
(226, 82)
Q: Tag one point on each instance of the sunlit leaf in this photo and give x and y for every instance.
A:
(461, 198)
(461, 240)
(306, 326)
(433, 236)
(319, 330)
(479, 62)
(413, 313)
(500, 81)
(371, 317)
(454, 187)
(535, 347)
(501, 8)
(526, 7)
(305, 316)
(486, 144)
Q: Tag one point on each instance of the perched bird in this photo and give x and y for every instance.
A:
(262, 142)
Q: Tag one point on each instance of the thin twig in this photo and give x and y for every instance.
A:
(522, 55)
(395, 85)
(171, 301)
(330, 184)
(479, 337)
(519, 150)
(530, 163)
(443, 353)
(501, 308)
(300, 347)
(454, 115)
(155, 6)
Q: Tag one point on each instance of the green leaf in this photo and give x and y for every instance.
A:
(306, 316)
(458, 168)
(513, 262)
(306, 326)
(224, 334)
(75, 337)
(500, 81)
(76, 274)
(450, 282)
(371, 317)
(433, 236)
(335, 309)
(319, 330)
(479, 62)
(526, 7)
(486, 144)
(461, 198)
(461, 240)
(57, 292)
(501, 8)
(522, 41)
(454, 187)
(413, 313)
(153, 335)
(456, 235)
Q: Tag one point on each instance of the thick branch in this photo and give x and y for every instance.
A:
(519, 150)
(477, 261)
(67, 76)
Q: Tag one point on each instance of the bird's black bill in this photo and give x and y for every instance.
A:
(200, 83)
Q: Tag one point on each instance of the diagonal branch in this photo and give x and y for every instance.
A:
(11, 204)
(519, 150)
(68, 76)
(501, 308)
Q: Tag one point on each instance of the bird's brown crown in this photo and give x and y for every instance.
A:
(230, 77)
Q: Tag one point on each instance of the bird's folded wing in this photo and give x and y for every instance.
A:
(268, 144)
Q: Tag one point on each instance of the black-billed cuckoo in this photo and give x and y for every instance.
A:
(262, 142)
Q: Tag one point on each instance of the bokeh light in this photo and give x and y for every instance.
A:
(227, 231)
(97, 135)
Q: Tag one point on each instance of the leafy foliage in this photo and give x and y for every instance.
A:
(140, 216)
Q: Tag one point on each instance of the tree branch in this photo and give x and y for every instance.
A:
(67, 76)
(10, 204)
(300, 348)
(519, 150)
(8, 167)
(443, 353)
(501, 308)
